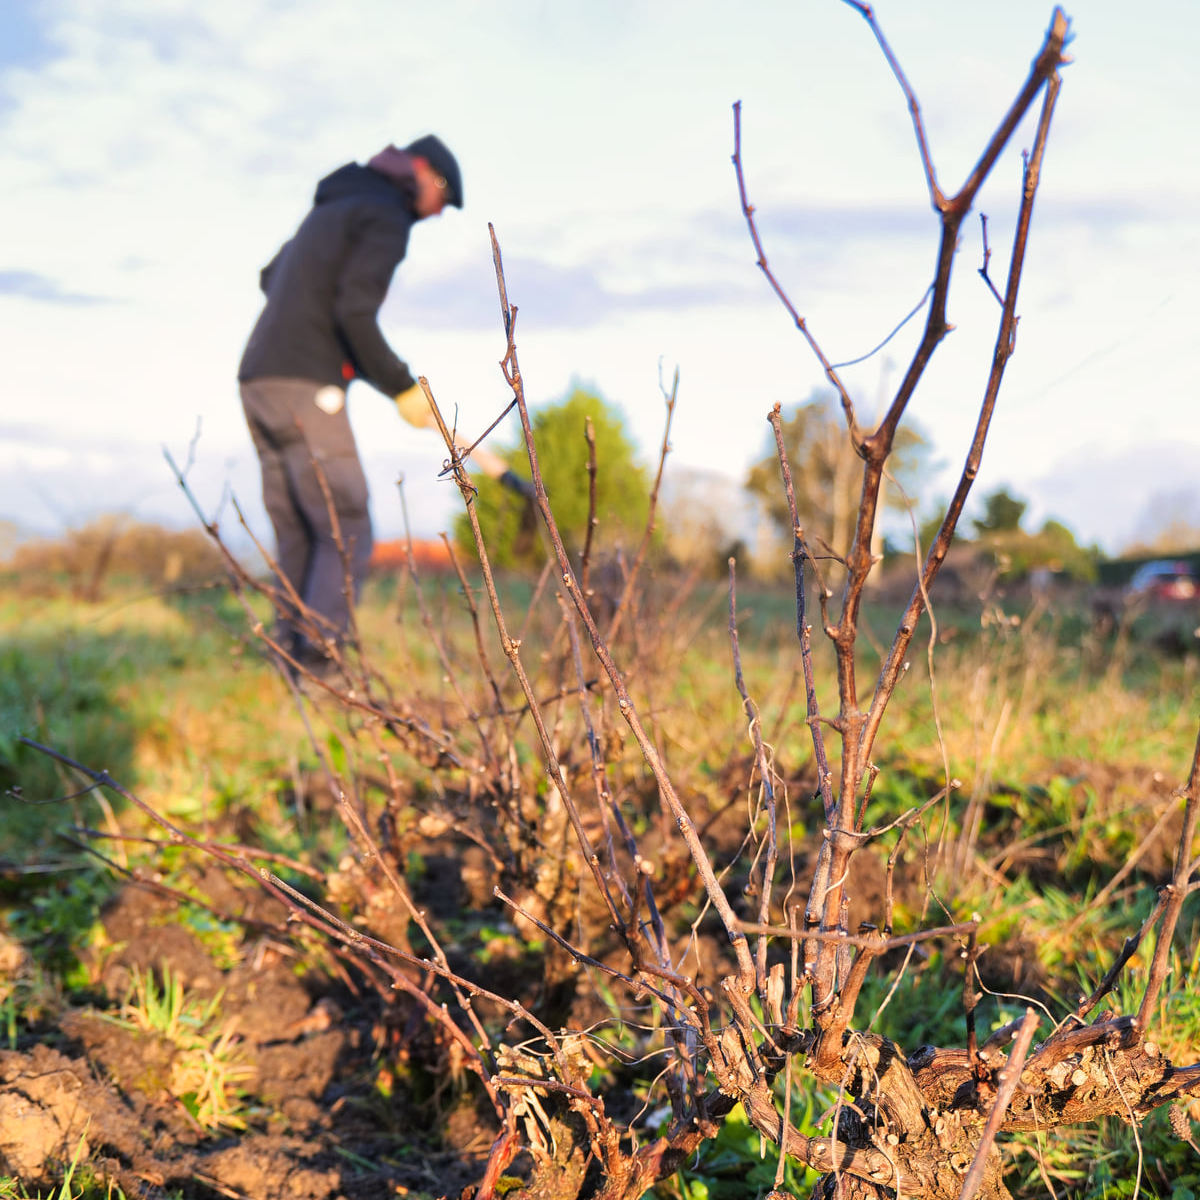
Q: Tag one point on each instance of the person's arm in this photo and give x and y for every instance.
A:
(378, 248)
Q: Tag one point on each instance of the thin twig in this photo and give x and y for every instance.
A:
(1176, 892)
(1009, 1077)
(585, 559)
(800, 323)
(891, 669)
(987, 254)
(766, 778)
(449, 672)
(512, 648)
(935, 192)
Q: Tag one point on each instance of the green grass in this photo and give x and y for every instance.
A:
(160, 693)
(79, 1182)
(208, 1065)
(113, 686)
(55, 916)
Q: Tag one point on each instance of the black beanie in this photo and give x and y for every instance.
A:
(435, 152)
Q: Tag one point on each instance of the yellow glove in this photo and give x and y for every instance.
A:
(414, 408)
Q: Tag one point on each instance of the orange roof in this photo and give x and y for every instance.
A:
(429, 555)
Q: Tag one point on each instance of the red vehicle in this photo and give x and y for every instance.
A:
(1165, 580)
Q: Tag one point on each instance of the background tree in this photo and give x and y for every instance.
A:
(1016, 553)
(827, 472)
(560, 432)
(1002, 513)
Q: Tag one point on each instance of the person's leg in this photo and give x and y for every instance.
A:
(325, 584)
(270, 408)
(300, 432)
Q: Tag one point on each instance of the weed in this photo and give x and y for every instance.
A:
(59, 920)
(1103, 1160)
(925, 1009)
(31, 997)
(207, 1068)
(79, 1182)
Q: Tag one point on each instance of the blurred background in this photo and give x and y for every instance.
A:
(155, 155)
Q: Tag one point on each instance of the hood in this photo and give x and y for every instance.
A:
(397, 165)
(355, 180)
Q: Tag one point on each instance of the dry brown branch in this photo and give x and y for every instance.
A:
(889, 675)
(856, 728)
(1008, 1078)
(1175, 892)
(672, 1003)
(448, 668)
(800, 323)
(285, 599)
(987, 256)
(480, 650)
(604, 801)
(766, 776)
(233, 849)
(300, 907)
(935, 192)
(585, 559)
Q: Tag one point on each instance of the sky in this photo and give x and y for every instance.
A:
(156, 153)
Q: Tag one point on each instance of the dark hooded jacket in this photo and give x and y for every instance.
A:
(325, 286)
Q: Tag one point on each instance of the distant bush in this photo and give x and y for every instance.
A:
(560, 433)
(115, 548)
(1017, 553)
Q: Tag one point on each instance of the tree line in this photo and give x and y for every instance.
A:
(585, 428)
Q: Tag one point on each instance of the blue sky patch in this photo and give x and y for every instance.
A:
(23, 39)
(29, 285)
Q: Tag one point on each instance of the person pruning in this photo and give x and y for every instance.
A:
(318, 331)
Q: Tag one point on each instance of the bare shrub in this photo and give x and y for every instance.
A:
(115, 547)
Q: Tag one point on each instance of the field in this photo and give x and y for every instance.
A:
(194, 995)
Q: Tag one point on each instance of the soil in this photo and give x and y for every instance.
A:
(320, 1126)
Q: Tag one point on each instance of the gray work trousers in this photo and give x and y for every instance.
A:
(291, 431)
